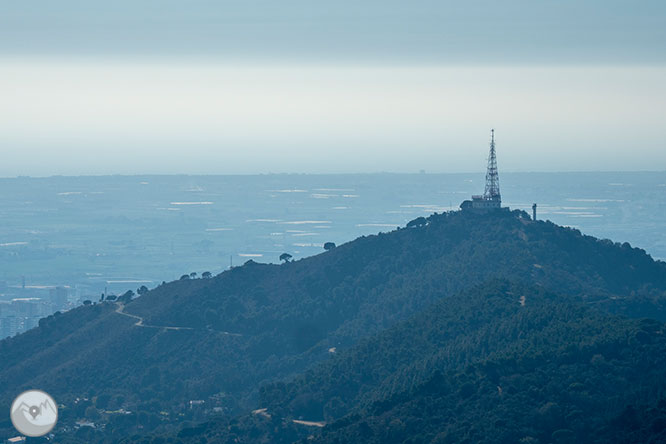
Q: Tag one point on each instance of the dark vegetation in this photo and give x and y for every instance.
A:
(483, 368)
(257, 324)
(477, 367)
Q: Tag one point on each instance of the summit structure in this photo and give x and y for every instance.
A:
(491, 198)
(492, 177)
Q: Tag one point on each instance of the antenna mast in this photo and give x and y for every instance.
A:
(492, 191)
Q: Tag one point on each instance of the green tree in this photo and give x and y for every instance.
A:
(285, 257)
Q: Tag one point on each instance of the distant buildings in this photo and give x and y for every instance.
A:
(58, 297)
(20, 314)
(8, 325)
(196, 403)
(478, 202)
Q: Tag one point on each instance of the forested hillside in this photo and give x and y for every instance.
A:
(219, 340)
(502, 363)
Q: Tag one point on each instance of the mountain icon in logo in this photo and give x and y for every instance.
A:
(34, 413)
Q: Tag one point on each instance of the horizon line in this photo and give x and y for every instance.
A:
(361, 173)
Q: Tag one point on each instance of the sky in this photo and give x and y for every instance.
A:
(242, 87)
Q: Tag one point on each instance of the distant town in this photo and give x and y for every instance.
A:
(23, 307)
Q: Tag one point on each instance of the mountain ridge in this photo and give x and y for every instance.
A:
(290, 315)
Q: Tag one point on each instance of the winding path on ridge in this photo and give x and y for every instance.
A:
(120, 309)
(264, 412)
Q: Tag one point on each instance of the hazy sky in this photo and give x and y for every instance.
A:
(91, 87)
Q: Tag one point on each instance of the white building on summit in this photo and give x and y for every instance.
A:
(491, 198)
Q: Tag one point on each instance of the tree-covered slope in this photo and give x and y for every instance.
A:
(258, 323)
(568, 376)
(501, 363)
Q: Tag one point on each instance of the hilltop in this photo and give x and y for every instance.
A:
(260, 323)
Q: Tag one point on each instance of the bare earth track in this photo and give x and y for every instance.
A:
(139, 323)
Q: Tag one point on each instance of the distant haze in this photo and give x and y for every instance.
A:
(302, 86)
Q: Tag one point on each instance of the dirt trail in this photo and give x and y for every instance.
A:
(309, 423)
(139, 323)
(264, 412)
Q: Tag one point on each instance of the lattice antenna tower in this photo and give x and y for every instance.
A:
(492, 191)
